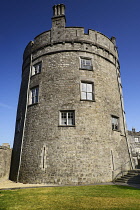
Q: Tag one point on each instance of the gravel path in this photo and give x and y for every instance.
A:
(7, 184)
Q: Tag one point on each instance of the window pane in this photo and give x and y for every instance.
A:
(88, 62)
(84, 87)
(70, 118)
(89, 96)
(82, 61)
(113, 120)
(70, 121)
(36, 99)
(115, 123)
(70, 114)
(63, 118)
(37, 89)
(83, 95)
(33, 92)
(33, 101)
(35, 95)
(85, 63)
(36, 69)
(39, 68)
(63, 121)
(89, 88)
(64, 114)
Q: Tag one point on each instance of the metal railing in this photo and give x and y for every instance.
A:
(121, 171)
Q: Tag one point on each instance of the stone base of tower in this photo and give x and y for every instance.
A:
(75, 180)
(68, 181)
(81, 172)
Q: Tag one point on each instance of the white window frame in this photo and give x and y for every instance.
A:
(86, 63)
(34, 95)
(86, 91)
(67, 118)
(115, 123)
(136, 139)
(36, 68)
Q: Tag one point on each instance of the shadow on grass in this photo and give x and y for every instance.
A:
(130, 186)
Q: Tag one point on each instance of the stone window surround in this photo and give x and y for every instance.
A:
(115, 123)
(36, 68)
(33, 99)
(86, 67)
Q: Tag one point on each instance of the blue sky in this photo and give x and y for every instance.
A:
(21, 21)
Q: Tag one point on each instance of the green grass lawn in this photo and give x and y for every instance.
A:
(78, 197)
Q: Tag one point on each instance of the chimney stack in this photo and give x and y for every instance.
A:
(58, 19)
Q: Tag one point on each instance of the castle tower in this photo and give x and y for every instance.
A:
(70, 126)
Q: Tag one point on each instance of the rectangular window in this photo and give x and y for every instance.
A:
(36, 69)
(34, 95)
(67, 118)
(87, 91)
(115, 123)
(86, 63)
(136, 139)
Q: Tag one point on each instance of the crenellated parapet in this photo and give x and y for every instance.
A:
(72, 39)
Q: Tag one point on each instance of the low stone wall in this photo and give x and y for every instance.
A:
(5, 160)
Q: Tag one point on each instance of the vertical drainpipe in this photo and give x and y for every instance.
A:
(27, 100)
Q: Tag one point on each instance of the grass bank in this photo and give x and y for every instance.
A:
(71, 198)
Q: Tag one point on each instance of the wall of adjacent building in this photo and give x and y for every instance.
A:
(5, 160)
(134, 141)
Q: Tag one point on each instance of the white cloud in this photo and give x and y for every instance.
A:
(5, 106)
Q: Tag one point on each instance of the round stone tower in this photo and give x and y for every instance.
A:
(70, 126)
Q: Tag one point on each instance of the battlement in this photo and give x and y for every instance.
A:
(95, 41)
(59, 34)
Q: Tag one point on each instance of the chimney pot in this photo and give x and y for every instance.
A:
(58, 10)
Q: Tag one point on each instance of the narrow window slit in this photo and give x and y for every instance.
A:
(44, 154)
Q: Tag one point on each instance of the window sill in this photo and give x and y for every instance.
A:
(87, 100)
(35, 74)
(66, 126)
(32, 104)
(86, 69)
(123, 135)
(116, 130)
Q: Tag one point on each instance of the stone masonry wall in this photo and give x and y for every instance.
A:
(5, 160)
